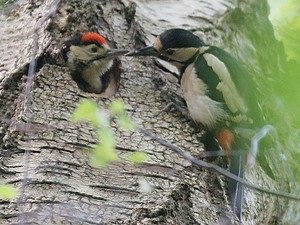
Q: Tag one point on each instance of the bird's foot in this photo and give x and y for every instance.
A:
(175, 101)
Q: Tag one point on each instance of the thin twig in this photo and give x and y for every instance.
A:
(27, 93)
(214, 167)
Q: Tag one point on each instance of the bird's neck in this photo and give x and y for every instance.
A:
(183, 66)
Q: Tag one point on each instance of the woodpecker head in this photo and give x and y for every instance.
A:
(91, 48)
(91, 61)
(177, 46)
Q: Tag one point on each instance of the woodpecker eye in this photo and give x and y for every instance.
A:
(94, 49)
(169, 51)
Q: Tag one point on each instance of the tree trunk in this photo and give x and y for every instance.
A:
(47, 156)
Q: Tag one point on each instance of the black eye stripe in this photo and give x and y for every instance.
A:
(169, 51)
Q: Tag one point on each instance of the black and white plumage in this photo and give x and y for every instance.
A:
(93, 63)
(219, 93)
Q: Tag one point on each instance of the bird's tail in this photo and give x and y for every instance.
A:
(236, 189)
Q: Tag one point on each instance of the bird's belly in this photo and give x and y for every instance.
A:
(202, 109)
(92, 77)
(93, 73)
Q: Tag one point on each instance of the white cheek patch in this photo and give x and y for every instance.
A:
(157, 44)
(183, 54)
(203, 49)
(230, 94)
(85, 53)
(79, 53)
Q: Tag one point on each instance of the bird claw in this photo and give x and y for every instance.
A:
(175, 101)
(169, 106)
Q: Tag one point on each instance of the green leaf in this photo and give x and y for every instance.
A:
(126, 123)
(104, 154)
(138, 157)
(117, 107)
(8, 192)
(88, 111)
(107, 138)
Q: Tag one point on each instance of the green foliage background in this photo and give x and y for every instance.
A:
(285, 16)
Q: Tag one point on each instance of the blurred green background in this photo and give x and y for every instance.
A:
(285, 16)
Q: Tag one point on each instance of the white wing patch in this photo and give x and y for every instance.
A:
(230, 94)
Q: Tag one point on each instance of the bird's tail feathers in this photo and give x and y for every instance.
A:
(236, 189)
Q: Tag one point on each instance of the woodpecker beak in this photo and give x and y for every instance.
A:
(147, 51)
(110, 54)
(115, 52)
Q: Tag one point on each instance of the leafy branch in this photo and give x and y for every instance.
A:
(105, 152)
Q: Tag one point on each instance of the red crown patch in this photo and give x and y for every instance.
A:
(93, 36)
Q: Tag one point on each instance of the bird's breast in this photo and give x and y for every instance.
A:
(201, 108)
(94, 72)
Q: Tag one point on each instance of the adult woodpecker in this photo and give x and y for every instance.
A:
(93, 63)
(218, 91)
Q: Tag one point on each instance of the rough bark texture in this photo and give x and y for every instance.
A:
(59, 184)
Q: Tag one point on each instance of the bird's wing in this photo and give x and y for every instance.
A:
(229, 82)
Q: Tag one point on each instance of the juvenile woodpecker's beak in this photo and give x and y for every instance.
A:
(115, 52)
(147, 51)
(110, 53)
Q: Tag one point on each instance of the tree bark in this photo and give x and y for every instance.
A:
(47, 156)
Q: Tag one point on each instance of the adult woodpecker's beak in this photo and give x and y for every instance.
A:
(147, 51)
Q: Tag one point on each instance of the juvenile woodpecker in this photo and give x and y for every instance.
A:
(218, 91)
(93, 63)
